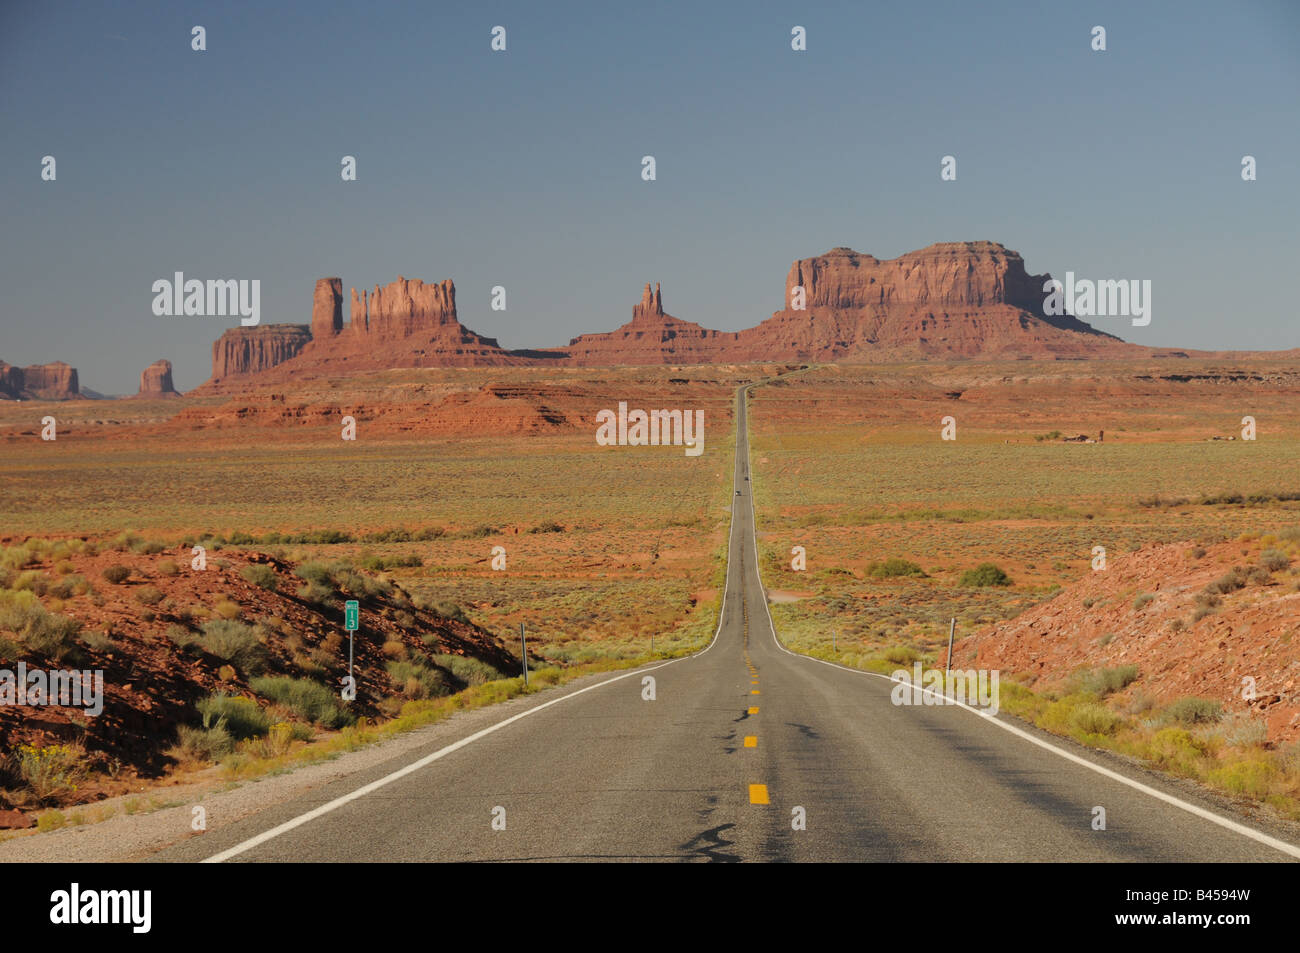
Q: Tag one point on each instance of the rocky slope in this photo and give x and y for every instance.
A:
(1195, 620)
(162, 635)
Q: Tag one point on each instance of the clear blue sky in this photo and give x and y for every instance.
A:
(523, 168)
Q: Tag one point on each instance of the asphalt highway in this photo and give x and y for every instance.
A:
(745, 752)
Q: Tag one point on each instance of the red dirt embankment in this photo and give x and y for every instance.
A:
(145, 632)
(1142, 610)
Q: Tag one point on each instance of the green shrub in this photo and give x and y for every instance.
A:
(234, 642)
(117, 573)
(305, 698)
(227, 609)
(98, 641)
(447, 610)
(181, 636)
(417, 680)
(316, 594)
(1250, 776)
(901, 654)
(1176, 749)
(397, 535)
(1274, 560)
(894, 567)
(985, 574)
(467, 669)
(1104, 681)
(1194, 711)
(1229, 582)
(360, 585)
(149, 595)
(52, 770)
(16, 557)
(240, 716)
(37, 630)
(168, 567)
(1242, 729)
(69, 586)
(125, 541)
(1142, 601)
(382, 563)
(315, 572)
(205, 744)
(31, 581)
(261, 576)
(1094, 718)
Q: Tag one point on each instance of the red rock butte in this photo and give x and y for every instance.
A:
(57, 381)
(156, 380)
(954, 300)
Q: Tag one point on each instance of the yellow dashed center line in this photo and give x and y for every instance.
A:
(751, 741)
(753, 691)
(758, 794)
(754, 710)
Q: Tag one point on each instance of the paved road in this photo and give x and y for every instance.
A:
(738, 741)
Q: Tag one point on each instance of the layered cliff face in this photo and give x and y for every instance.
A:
(406, 323)
(252, 350)
(156, 380)
(958, 300)
(959, 275)
(651, 337)
(57, 381)
(406, 308)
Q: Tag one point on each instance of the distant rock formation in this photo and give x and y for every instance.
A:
(651, 308)
(406, 308)
(327, 308)
(949, 300)
(57, 381)
(651, 337)
(242, 351)
(156, 380)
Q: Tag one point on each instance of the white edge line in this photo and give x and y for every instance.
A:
(412, 767)
(428, 759)
(1201, 812)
